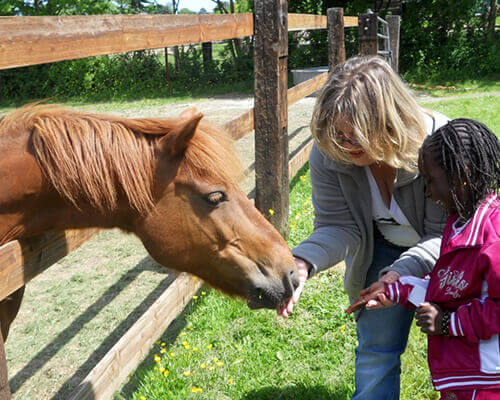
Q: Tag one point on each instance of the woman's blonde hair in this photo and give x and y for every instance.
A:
(386, 121)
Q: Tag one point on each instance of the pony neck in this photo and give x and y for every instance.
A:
(29, 204)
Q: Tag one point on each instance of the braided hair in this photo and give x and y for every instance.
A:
(469, 153)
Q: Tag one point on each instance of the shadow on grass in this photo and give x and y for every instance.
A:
(302, 392)
(64, 337)
(168, 337)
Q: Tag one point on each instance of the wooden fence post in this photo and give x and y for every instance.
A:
(367, 33)
(206, 49)
(336, 45)
(270, 111)
(394, 22)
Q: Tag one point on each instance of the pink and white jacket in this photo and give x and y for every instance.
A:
(466, 282)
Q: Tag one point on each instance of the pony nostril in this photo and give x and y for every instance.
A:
(263, 270)
(293, 277)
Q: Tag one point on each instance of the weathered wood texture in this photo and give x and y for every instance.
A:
(270, 110)
(37, 40)
(394, 22)
(20, 261)
(300, 22)
(336, 43)
(126, 354)
(367, 33)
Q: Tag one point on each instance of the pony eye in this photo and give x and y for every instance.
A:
(215, 198)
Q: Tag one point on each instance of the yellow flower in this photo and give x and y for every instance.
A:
(184, 342)
(195, 297)
(202, 366)
(186, 373)
(230, 381)
(172, 354)
(166, 373)
(163, 344)
(194, 278)
(196, 389)
(203, 293)
(187, 347)
(220, 363)
(162, 369)
(157, 358)
(209, 346)
(211, 368)
(271, 211)
(142, 398)
(195, 348)
(152, 378)
(342, 329)
(163, 351)
(215, 359)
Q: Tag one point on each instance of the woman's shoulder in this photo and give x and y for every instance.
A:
(434, 120)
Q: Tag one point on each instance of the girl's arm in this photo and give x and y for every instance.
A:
(480, 319)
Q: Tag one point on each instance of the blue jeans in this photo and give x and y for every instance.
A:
(382, 337)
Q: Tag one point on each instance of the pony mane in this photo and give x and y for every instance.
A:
(95, 158)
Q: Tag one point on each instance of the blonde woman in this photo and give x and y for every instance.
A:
(370, 207)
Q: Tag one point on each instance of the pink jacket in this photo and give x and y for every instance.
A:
(466, 282)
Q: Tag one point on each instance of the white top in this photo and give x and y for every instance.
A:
(391, 222)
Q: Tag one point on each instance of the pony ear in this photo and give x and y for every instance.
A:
(176, 141)
(188, 112)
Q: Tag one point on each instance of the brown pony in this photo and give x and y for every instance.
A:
(172, 182)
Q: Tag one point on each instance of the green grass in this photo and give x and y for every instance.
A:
(484, 109)
(443, 88)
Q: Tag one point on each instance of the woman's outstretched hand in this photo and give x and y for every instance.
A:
(303, 271)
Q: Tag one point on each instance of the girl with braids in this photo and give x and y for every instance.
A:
(458, 304)
(370, 207)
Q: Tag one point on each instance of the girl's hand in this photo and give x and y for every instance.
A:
(429, 317)
(371, 297)
(303, 271)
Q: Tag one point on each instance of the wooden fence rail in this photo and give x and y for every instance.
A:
(35, 40)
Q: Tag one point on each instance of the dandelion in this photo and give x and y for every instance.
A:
(162, 369)
(203, 293)
(342, 329)
(172, 354)
(209, 346)
(152, 378)
(163, 345)
(203, 366)
(142, 398)
(195, 297)
(195, 348)
(196, 389)
(186, 373)
(211, 368)
(163, 351)
(271, 211)
(215, 359)
(166, 373)
(220, 364)
(157, 358)
(230, 381)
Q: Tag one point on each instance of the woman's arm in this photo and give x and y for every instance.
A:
(335, 231)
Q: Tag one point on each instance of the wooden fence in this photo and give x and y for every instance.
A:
(35, 40)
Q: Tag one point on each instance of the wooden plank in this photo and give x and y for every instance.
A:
(300, 158)
(127, 353)
(301, 22)
(36, 40)
(21, 261)
(240, 126)
(367, 33)
(336, 44)
(394, 22)
(270, 111)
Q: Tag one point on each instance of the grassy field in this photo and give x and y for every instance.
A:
(219, 349)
